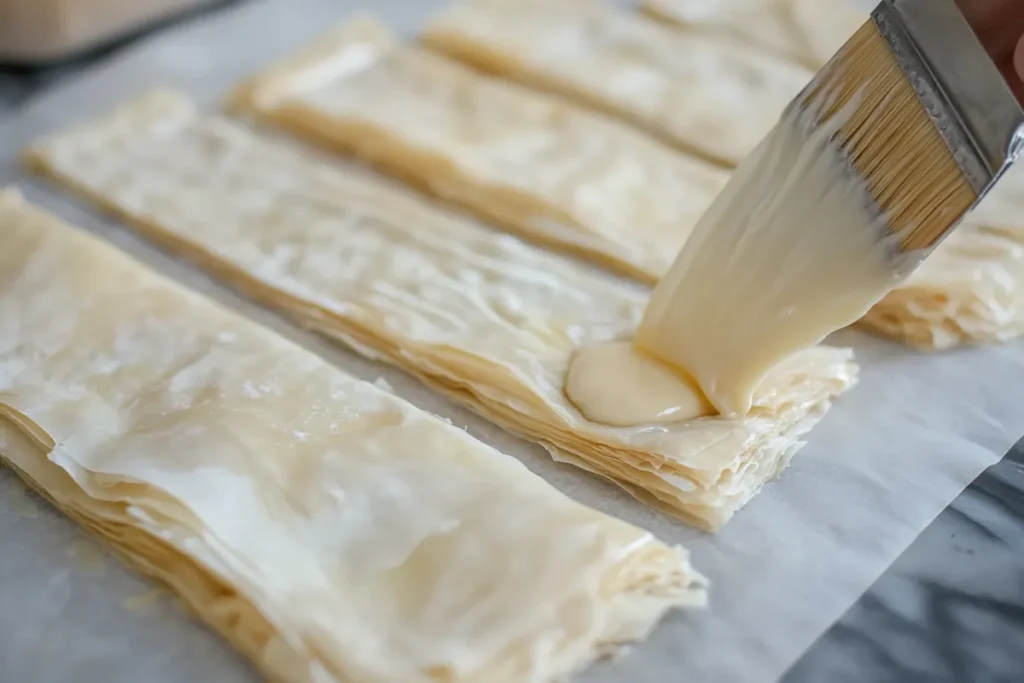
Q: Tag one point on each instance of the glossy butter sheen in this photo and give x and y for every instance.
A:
(615, 384)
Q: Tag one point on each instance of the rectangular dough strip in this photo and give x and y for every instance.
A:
(331, 531)
(809, 32)
(475, 140)
(476, 314)
(710, 89)
(707, 94)
(535, 164)
(969, 291)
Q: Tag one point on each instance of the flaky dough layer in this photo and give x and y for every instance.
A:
(330, 530)
(474, 313)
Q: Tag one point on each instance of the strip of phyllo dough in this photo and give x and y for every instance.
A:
(477, 314)
(536, 164)
(707, 94)
(969, 291)
(808, 32)
(330, 530)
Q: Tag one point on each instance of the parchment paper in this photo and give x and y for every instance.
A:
(885, 461)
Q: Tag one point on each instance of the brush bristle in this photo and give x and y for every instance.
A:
(891, 141)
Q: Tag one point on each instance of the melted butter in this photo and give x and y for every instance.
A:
(615, 384)
(792, 250)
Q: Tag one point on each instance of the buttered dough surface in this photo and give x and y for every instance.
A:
(474, 313)
(330, 530)
(708, 94)
(533, 163)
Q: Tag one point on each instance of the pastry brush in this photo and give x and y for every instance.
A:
(933, 125)
(870, 167)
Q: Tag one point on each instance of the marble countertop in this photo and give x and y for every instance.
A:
(950, 609)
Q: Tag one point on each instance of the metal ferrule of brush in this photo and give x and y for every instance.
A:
(967, 98)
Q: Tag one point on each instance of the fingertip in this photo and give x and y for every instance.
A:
(1018, 58)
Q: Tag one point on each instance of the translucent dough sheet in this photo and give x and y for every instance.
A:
(807, 31)
(875, 471)
(475, 313)
(707, 94)
(971, 290)
(722, 104)
(535, 164)
(330, 530)
(345, 91)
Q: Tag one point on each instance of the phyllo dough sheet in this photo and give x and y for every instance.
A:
(969, 291)
(479, 315)
(329, 529)
(809, 32)
(707, 94)
(536, 164)
(556, 174)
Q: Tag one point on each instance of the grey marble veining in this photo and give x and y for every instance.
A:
(951, 609)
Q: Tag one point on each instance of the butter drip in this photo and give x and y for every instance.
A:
(793, 249)
(615, 384)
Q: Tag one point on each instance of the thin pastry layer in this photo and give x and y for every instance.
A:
(533, 163)
(969, 291)
(549, 176)
(809, 32)
(707, 94)
(1002, 209)
(478, 315)
(330, 530)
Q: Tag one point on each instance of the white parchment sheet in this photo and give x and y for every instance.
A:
(885, 461)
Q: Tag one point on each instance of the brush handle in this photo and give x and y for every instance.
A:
(967, 98)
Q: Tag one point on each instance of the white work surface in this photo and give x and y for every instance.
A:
(884, 462)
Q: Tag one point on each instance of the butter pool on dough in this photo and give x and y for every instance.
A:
(616, 384)
(808, 32)
(535, 164)
(478, 315)
(707, 94)
(331, 531)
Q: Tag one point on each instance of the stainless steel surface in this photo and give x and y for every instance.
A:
(875, 472)
(959, 85)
